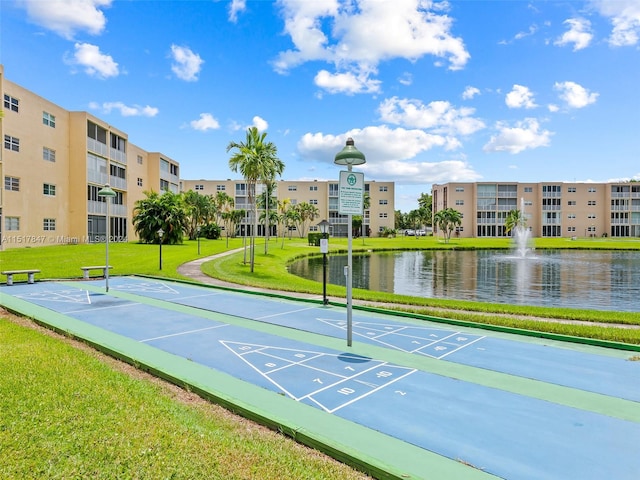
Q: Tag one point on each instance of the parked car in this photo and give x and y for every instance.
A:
(409, 233)
(421, 233)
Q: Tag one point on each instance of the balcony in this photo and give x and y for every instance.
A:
(118, 155)
(97, 147)
(119, 183)
(96, 177)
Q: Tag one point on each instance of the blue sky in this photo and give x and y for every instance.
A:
(430, 91)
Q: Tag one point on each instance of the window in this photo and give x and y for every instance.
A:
(571, 203)
(571, 216)
(11, 143)
(199, 187)
(117, 171)
(528, 189)
(139, 181)
(571, 229)
(382, 215)
(96, 132)
(49, 224)
(12, 184)
(220, 188)
(313, 188)
(118, 143)
(459, 202)
(139, 159)
(313, 202)
(592, 190)
(48, 120)
(11, 103)
(383, 188)
(383, 202)
(459, 189)
(591, 217)
(293, 188)
(48, 154)
(164, 185)
(571, 189)
(12, 223)
(48, 189)
(173, 169)
(591, 203)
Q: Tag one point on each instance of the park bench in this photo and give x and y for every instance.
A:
(86, 270)
(30, 273)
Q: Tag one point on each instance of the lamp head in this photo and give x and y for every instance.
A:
(349, 155)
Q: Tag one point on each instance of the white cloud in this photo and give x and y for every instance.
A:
(625, 18)
(520, 97)
(236, 7)
(524, 135)
(260, 123)
(125, 110)
(363, 33)
(574, 95)
(66, 17)
(204, 123)
(405, 79)
(390, 154)
(349, 82)
(579, 34)
(439, 116)
(470, 92)
(95, 63)
(186, 64)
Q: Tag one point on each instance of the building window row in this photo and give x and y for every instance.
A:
(199, 187)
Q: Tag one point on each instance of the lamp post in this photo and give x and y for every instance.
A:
(349, 156)
(198, 233)
(160, 234)
(324, 248)
(108, 193)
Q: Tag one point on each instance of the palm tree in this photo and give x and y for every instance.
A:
(305, 214)
(198, 209)
(265, 200)
(515, 218)
(223, 202)
(447, 220)
(157, 211)
(257, 161)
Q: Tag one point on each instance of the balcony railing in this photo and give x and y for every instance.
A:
(118, 155)
(96, 177)
(119, 183)
(97, 147)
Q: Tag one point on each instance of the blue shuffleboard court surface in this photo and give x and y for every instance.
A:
(496, 406)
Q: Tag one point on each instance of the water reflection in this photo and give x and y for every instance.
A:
(562, 278)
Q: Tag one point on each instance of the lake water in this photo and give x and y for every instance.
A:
(598, 280)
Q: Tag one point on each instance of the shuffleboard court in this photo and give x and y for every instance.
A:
(501, 433)
(589, 371)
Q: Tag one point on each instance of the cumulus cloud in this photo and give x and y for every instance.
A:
(94, 62)
(186, 64)
(357, 35)
(625, 18)
(260, 123)
(125, 110)
(574, 95)
(520, 97)
(204, 123)
(348, 82)
(391, 154)
(470, 92)
(66, 17)
(438, 116)
(579, 34)
(524, 135)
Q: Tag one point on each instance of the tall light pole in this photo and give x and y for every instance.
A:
(324, 248)
(160, 234)
(350, 156)
(108, 193)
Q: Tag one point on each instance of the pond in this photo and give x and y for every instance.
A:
(588, 279)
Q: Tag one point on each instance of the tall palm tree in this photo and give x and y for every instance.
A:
(257, 161)
(447, 220)
(514, 219)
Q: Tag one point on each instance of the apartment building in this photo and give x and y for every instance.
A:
(552, 209)
(321, 194)
(54, 162)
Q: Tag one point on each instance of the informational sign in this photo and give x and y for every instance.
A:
(324, 245)
(351, 193)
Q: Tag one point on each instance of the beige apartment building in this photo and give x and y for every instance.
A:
(54, 162)
(321, 194)
(552, 209)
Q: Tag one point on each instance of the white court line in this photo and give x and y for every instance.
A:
(198, 296)
(461, 347)
(285, 313)
(345, 379)
(183, 333)
(131, 304)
